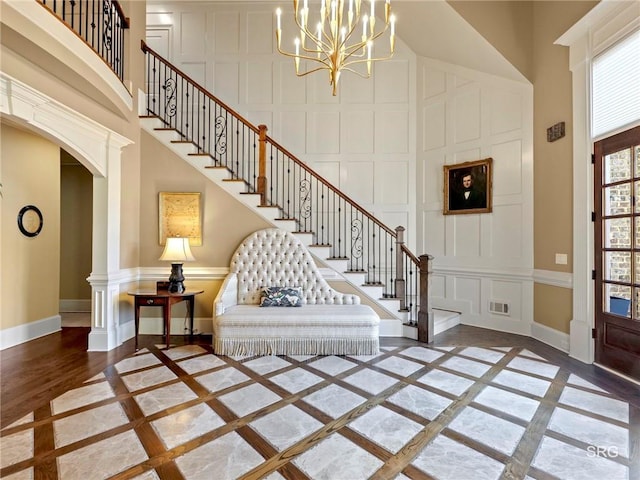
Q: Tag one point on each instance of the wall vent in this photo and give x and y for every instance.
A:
(500, 308)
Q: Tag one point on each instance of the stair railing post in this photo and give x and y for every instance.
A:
(262, 165)
(400, 281)
(425, 316)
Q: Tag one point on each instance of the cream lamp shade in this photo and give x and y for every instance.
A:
(177, 251)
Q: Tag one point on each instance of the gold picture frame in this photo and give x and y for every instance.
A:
(179, 216)
(467, 187)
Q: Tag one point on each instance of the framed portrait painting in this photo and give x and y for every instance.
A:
(467, 187)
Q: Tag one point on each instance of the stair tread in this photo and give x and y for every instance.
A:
(215, 166)
(198, 154)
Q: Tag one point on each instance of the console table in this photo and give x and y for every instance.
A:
(164, 299)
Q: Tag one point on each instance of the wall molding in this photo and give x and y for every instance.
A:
(75, 305)
(550, 336)
(555, 279)
(13, 336)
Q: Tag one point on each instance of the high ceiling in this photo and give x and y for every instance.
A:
(433, 29)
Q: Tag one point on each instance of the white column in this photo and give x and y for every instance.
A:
(581, 345)
(104, 279)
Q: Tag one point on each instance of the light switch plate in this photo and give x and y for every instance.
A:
(561, 258)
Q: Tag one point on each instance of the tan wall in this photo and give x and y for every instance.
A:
(225, 221)
(130, 193)
(553, 306)
(553, 161)
(76, 218)
(506, 25)
(553, 165)
(30, 168)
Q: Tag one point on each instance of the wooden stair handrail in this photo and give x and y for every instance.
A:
(204, 91)
(346, 198)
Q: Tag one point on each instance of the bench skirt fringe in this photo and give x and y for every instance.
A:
(295, 346)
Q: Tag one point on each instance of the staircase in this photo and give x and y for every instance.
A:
(242, 160)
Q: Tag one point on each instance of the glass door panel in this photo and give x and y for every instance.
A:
(617, 199)
(617, 267)
(617, 166)
(617, 233)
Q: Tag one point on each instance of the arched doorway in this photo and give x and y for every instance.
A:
(99, 149)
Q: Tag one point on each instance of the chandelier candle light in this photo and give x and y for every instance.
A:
(341, 39)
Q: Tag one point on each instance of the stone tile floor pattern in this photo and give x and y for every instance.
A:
(449, 413)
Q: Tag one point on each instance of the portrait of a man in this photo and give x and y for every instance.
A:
(467, 187)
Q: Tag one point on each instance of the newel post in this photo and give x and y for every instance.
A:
(425, 317)
(400, 281)
(262, 165)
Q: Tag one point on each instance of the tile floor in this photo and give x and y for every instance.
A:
(449, 413)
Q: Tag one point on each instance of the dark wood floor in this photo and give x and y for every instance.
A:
(38, 371)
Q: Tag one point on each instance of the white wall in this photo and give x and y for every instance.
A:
(383, 141)
(362, 141)
(467, 115)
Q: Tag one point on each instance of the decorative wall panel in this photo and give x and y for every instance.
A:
(292, 131)
(259, 82)
(392, 183)
(434, 124)
(434, 83)
(192, 38)
(467, 233)
(225, 82)
(195, 70)
(356, 90)
(330, 171)
(507, 176)
(434, 243)
(469, 289)
(292, 88)
(392, 132)
(467, 114)
(357, 132)
(391, 81)
(506, 237)
(360, 175)
(259, 32)
(226, 32)
(158, 40)
(323, 132)
(506, 112)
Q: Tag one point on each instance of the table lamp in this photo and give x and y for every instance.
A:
(176, 251)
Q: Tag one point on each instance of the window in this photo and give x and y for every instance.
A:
(616, 88)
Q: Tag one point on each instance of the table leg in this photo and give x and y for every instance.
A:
(166, 313)
(137, 317)
(191, 307)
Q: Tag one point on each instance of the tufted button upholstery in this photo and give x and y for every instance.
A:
(276, 258)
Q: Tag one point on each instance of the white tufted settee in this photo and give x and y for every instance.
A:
(328, 322)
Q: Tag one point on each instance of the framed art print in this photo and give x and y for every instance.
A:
(179, 216)
(467, 187)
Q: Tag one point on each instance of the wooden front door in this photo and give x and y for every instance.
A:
(617, 252)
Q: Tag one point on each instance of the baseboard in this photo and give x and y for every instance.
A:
(75, 305)
(10, 337)
(444, 320)
(390, 327)
(550, 336)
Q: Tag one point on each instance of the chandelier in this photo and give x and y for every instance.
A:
(341, 38)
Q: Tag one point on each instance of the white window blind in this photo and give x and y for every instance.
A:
(616, 86)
